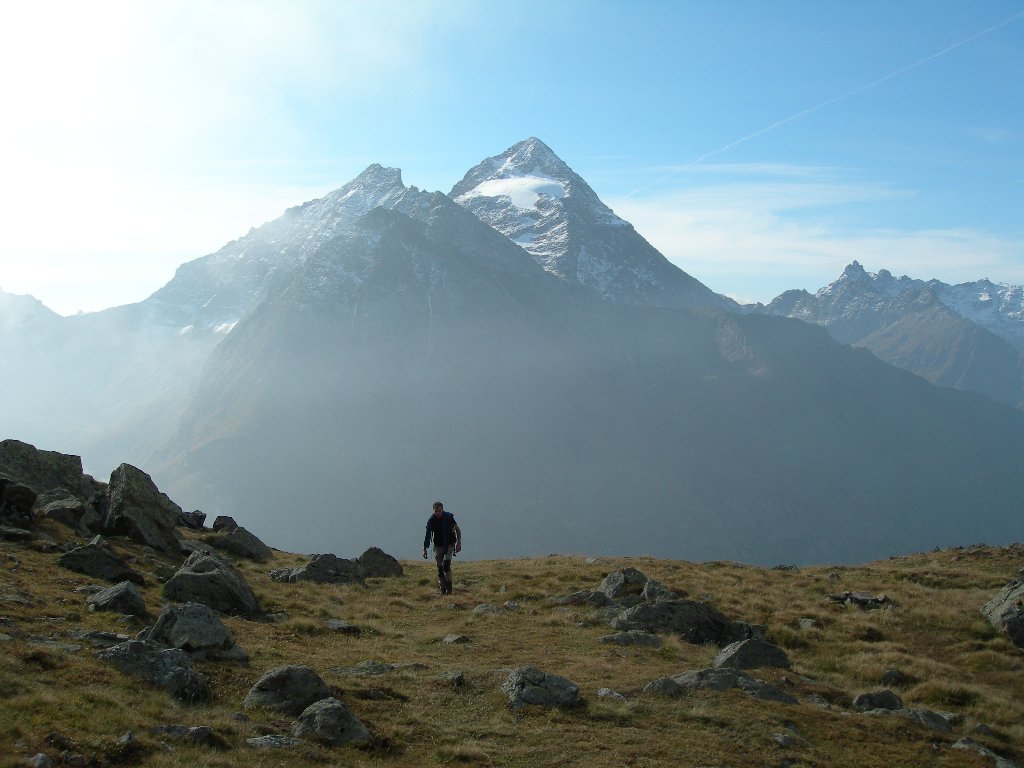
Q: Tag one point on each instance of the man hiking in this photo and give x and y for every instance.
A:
(441, 526)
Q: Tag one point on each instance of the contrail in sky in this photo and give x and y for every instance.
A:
(829, 102)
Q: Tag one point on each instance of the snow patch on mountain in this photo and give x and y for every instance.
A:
(523, 192)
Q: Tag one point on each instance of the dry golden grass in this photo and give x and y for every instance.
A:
(953, 659)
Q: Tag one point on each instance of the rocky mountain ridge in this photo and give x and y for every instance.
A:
(968, 336)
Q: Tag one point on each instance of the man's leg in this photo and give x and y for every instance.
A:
(443, 558)
(439, 554)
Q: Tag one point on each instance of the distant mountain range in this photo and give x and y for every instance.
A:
(518, 351)
(968, 336)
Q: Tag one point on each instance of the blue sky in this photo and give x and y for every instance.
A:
(760, 146)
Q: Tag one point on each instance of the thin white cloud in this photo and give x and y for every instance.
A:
(754, 240)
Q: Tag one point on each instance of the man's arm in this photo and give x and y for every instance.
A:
(458, 537)
(426, 541)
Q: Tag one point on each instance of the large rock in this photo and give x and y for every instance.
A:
(751, 654)
(16, 502)
(67, 509)
(136, 508)
(1005, 611)
(44, 470)
(528, 685)
(197, 630)
(98, 561)
(323, 569)
(632, 637)
(692, 621)
(213, 582)
(624, 584)
(120, 598)
(168, 668)
(330, 722)
(241, 542)
(884, 699)
(288, 689)
(377, 563)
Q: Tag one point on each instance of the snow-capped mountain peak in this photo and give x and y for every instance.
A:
(532, 197)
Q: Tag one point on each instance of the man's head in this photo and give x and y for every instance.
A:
(438, 509)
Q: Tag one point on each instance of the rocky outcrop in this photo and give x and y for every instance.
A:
(632, 637)
(378, 563)
(241, 542)
(96, 560)
(168, 668)
(1005, 611)
(137, 509)
(323, 569)
(197, 630)
(751, 654)
(863, 600)
(213, 582)
(330, 722)
(67, 509)
(623, 586)
(16, 502)
(690, 620)
(884, 699)
(122, 598)
(528, 685)
(289, 689)
(24, 464)
(723, 679)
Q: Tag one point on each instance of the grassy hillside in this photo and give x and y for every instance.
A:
(57, 699)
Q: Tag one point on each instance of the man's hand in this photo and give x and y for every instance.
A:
(458, 546)
(424, 553)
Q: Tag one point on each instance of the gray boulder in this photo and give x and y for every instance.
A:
(330, 722)
(725, 678)
(931, 720)
(624, 584)
(528, 685)
(1005, 611)
(692, 621)
(137, 509)
(663, 686)
(239, 541)
(751, 654)
(120, 598)
(192, 520)
(343, 627)
(655, 591)
(323, 569)
(378, 563)
(289, 689)
(168, 668)
(884, 699)
(632, 637)
(98, 561)
(213, 582)
(16, 502)
(64, 507)
(202, 735)
(224, 523)
(42, 471)
(197, 630)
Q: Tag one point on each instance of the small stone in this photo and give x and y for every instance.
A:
(343, 627)
(608, 693)
(273, 741)
(885, 699)
(455, 639)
